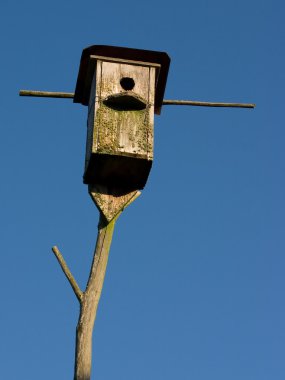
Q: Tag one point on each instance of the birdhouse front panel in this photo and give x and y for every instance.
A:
(120, 123)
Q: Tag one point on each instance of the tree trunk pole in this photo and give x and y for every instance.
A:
(90, 300)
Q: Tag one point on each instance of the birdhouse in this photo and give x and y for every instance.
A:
(122, 88)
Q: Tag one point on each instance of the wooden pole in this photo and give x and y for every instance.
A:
(89, 299)
(46, 94)
(206, 104)
(165, 101)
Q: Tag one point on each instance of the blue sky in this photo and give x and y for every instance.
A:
(195, 282)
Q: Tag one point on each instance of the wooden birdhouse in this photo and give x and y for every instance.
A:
(122, 88)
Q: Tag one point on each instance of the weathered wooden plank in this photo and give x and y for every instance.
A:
(130, 61)
(111, 202)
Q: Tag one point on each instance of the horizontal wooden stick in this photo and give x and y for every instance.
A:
(70, 95)
(206, 104)
(47, 94)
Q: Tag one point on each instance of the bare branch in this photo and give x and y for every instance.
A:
(66, 271)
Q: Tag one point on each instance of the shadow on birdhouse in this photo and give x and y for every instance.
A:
(122, 88)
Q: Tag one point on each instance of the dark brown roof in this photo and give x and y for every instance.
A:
(85, 74)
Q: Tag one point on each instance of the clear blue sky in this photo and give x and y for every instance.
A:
(195, 283)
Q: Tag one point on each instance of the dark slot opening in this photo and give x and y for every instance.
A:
(124, 102)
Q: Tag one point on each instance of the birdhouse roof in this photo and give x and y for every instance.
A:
(87, 67)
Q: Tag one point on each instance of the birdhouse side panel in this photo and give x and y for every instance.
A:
(92, 133)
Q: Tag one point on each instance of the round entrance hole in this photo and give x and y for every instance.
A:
(127, 83)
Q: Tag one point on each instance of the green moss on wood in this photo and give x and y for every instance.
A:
(119, 131)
